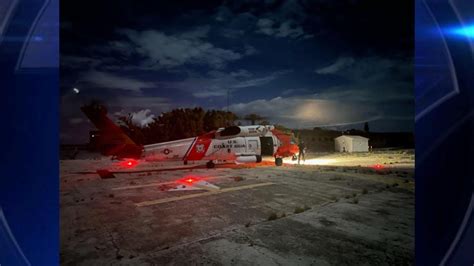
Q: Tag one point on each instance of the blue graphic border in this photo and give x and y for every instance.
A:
(29, 182)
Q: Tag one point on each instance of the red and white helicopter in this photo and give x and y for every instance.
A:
(239, 144)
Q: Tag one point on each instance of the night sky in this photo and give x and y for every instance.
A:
(302, 64)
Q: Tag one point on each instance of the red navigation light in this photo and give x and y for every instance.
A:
(129, 163)
(189, 180)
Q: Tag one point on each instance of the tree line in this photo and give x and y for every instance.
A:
(177, 124)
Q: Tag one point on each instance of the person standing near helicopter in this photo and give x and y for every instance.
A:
(302, 152)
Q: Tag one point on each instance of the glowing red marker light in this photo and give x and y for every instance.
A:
(189, 180)
(129, 163)
(378, 166)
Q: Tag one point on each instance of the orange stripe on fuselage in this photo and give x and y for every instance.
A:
(199, 149)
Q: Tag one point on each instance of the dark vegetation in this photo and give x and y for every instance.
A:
(179, 123)
(190, 122)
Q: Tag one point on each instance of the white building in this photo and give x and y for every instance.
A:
(349, 143)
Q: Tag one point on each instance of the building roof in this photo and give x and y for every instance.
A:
(353, 137)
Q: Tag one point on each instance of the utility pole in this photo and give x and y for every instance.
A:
(228, 99)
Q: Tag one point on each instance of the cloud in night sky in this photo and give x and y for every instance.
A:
(175, 50)
(108, 80)
(218, 83)
(210, 93)
(302, 112)
(283, 30)
(341, 63)
(259, 81)
(140, 118)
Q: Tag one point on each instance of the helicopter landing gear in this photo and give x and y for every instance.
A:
(210, 164)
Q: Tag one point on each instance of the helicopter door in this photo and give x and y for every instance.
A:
(252, 146)
(267, 146)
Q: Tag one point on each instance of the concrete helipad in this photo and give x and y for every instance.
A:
(263, 215)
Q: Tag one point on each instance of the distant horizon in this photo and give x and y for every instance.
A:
(360, 128)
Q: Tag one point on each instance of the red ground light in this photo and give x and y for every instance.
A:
(378, 166)
(189, 180)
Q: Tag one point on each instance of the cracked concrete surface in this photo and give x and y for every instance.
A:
(350, 216)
